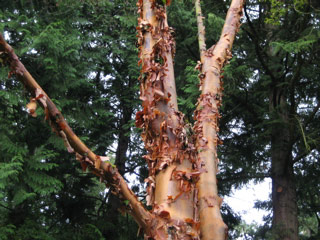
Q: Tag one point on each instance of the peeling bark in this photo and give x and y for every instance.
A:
(182, 186)
(206, 125)
(169, 159)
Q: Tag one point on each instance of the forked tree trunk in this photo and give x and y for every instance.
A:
(182, 170)
(182, 186)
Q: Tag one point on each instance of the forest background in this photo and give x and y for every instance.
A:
(84, 54)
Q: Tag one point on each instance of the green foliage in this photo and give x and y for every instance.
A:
(277, 11)
(308, 227)
(191, 88)
(274, 58)
(6, 231)
(82, 53)
(305, 43)
(214, 27)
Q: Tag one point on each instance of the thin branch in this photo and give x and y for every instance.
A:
(241, 176)
(312, 115)
(308, 121)
(138, 174)
(301, 156)
(254, 39)
(10, 209)
(103, 202)
(201, 30)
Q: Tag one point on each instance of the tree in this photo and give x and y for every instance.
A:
(181, 165)
(278, 107)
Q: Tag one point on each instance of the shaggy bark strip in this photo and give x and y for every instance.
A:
(171, 181)
(206, 128)
(99, 165)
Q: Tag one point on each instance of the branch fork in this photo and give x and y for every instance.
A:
(182, 185)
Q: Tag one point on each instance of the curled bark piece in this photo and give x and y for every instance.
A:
(66, 142)
(32, 106)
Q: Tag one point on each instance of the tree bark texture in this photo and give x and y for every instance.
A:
(171, 180)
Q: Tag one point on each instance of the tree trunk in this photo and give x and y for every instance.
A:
(123, 140)
(284, 202)
(170, 191)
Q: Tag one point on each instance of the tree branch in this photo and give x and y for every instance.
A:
(314, 112)
(244, 176)
(95, 163)
(10, 209)
(308, 121)
(206, 126)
